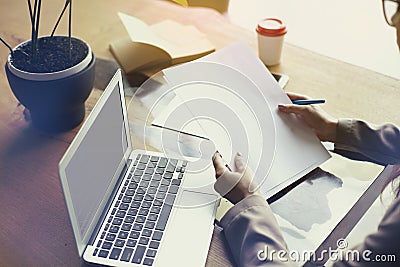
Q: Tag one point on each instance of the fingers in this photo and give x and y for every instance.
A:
(296, 109)
(239, 164)
(294, 96)
(219, 164)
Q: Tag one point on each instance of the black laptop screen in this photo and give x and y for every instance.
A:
(96, 160)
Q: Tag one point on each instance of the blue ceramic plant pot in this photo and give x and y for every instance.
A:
(56, 101)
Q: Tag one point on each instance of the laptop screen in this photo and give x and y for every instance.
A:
(98, 155)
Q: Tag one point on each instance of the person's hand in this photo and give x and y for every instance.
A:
(318, 120)
(234, 185)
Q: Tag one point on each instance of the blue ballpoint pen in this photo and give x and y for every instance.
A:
(308, 101)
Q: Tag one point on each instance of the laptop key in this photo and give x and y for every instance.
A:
(173, 189)
(143, 212)
(162, 163)
(110, 237)
(154, 183)
(123, 235)
(165, 211)
(165, 182)
(148, 261)
(163, 188)
(152, 217)
(140, 219)
(144, 184)
(138, 173)
(167, 175)
(147, 232)
(138, 227)
(150, 225)
(157, 202)
(127, 199)
(154, 158)
(146, 204)
(103, 253)
(141, 166)
(120, 214)
(154, 244)
(160, 195)
(152, 190)
(170, 168)
(113, 211)
(138, 197)
(146, 177)
(151, 253)
(132, 186)
(144, 159)
(115, 252)
(139, 253)
(157, 235)
(130, 192)
(127, 254)
(155, 209)
(106, 245)
(114, 229)
(124, 206)
(119, 243)
(126, 227)
(117, 221)
(129, 219)
(159, 170)
(144, 240)
(141, 191)
(149, 197)
(134, 234)
(131, 243)
(176, 182)
(149, 170)
(157, 177)
(135, 204)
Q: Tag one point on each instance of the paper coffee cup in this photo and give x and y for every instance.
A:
(271, 33)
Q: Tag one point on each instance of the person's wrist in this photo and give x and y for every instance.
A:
(331, 130)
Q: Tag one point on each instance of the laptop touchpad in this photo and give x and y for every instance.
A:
(192, 199)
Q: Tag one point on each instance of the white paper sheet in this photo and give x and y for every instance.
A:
(276, 145)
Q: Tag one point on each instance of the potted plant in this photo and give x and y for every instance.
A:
(52, 76)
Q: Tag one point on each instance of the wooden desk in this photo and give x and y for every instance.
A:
(34, 226)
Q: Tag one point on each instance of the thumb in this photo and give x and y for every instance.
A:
(239, 164)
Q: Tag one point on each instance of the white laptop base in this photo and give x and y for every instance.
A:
(134, 208)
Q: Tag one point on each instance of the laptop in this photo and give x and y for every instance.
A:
(134, 207)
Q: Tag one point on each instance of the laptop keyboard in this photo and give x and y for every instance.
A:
(135, 227)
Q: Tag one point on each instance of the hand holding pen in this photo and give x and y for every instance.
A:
(315, 117)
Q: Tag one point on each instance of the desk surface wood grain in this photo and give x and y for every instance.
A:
(34, 226)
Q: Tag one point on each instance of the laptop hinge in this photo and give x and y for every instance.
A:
(109, 202)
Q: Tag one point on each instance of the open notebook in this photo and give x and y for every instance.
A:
(163, 44)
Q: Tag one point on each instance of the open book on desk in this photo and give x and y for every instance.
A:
(159, 45)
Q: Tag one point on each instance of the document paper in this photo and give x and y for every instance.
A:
(279, 147)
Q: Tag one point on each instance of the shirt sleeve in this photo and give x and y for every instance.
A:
(362, 141)
(253, 234)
